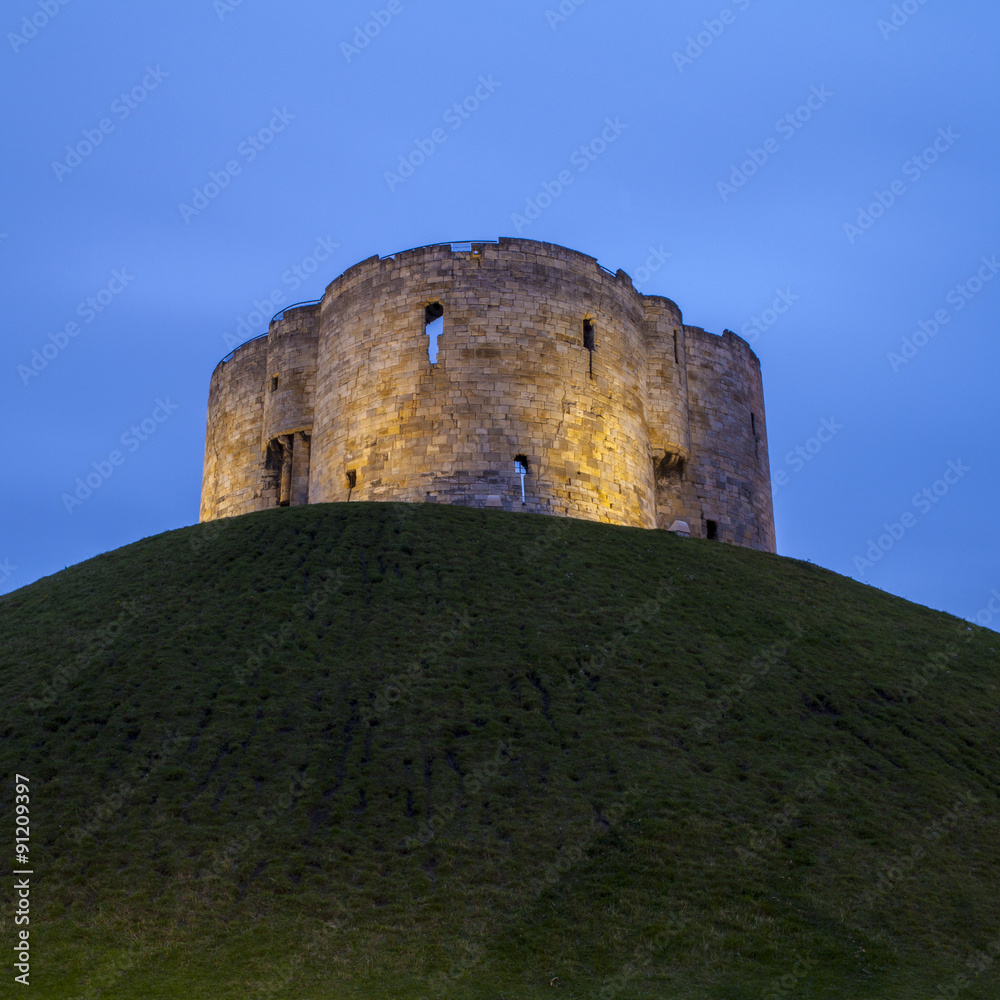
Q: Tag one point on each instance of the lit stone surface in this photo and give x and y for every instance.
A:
(659, 422)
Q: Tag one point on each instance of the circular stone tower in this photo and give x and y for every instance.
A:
(513, 374)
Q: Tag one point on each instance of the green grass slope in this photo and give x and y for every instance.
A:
(398, 751)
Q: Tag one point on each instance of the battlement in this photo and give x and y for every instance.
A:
(514, 374)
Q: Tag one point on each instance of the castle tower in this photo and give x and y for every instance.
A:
(546, 364)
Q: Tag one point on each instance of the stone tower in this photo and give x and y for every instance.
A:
(550, 373)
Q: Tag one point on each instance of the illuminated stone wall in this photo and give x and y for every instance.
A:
(622, 413)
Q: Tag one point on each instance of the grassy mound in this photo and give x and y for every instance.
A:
(398, 751)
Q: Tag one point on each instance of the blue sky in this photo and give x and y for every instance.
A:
(820, 177)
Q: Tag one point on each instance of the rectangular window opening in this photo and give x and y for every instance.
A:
(433, 327)
(711, 529)
(274, 382)
(677, 357)
(352, 478)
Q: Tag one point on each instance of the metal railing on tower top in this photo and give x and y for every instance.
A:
(459, 245)
(281, 315)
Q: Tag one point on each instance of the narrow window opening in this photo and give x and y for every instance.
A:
(274, 382)
(521, 468)
(711, 529)
(588, 342)
(753, 429)
(352, 479)
(433, 327)
(272, 469)
(677, 357)
(287, 442)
